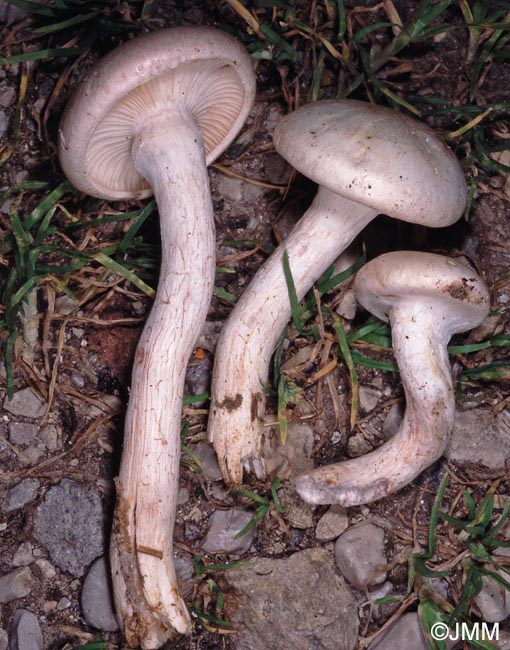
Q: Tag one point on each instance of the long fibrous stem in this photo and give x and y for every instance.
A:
(146, 592)
(250, 335)
(419, 343)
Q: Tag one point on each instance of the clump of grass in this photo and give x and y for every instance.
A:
(476, 535)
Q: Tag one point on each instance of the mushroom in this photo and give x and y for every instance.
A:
(148, 119)
(426, 298)
(366, 159)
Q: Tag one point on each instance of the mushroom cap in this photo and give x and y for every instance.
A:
(201, 70)
(375, 156)
(448, 286)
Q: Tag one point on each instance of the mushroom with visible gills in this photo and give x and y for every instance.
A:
(426, 298)
(367, 160)
(148, 119)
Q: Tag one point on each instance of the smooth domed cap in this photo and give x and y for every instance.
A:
(202, 69)
(448, 285)
(375, 156)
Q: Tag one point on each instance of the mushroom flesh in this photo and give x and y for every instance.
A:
(148, 119)
(426, 298)
(367, 160)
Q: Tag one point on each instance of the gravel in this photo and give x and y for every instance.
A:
(20, 494)
(224, 525)
(97, 599)
(25, 632)
(25, 403)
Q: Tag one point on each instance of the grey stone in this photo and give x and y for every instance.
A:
(22, 433)
(185, 572)
(360, 555)
(7, 95)
(209, 336)
(223, 527)
(298, 513)
(23, 555)
(494, 600)
(4, 124)
(69, 523)
(20, 494)
(404, 633)
(198, 377)
(369, 398)
(332, 524)
(4, 639)
(16, 584)
(480, 436)
(299, 602)
(393, 419)
(97, 598)
(206, 455)
(26, 403)
(25, 632)
(295, 456)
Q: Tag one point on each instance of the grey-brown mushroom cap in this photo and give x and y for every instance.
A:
(450, 288)
(375, 156)
(203, 69)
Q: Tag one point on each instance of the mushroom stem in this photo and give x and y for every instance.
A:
(145, 586)
(243, 353)
(420, 347)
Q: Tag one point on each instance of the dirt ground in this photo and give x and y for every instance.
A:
(80, 364)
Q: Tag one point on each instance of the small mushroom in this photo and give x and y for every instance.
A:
(426, 298)
(148, 119)
(367, 160)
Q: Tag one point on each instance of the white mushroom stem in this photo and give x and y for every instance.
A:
(243, 353)
(169, 153)
(420, 337)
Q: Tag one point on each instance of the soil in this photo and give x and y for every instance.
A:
(81, 365)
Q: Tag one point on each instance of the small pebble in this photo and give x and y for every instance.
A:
(368, 398)
(224, 525)
(4, 639)
(22, 433)
(25, 403)
(206, 455)
(25, 632)
(23, 555)
(63, 603)
(404, 633)
(47, 569)
(20, 494)
(332, 524)
(16, 584)
(360, 555)
(97, 599)
(393, 419)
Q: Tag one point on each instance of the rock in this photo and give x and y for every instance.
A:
(381, 591)
(20, 494)
(223, 527)
(360, 555)
(185, 572)
(404, 633)
(295, 457)
(368, 398)
(97, 597)
(22, 433)
(7, 95)
(494, 600)
(205, 453)
(46, 568)
(393, 419)
(209, 336)
(332, 524)
(4, 124)
(69, 523)
(4, 639)
(26, 403)
(480, 436)
(23, 555)
(299, 602)
(16, 584)
(25, 632)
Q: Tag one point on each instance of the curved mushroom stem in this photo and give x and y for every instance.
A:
(419, 343)
(250, 335)
(169, 153)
